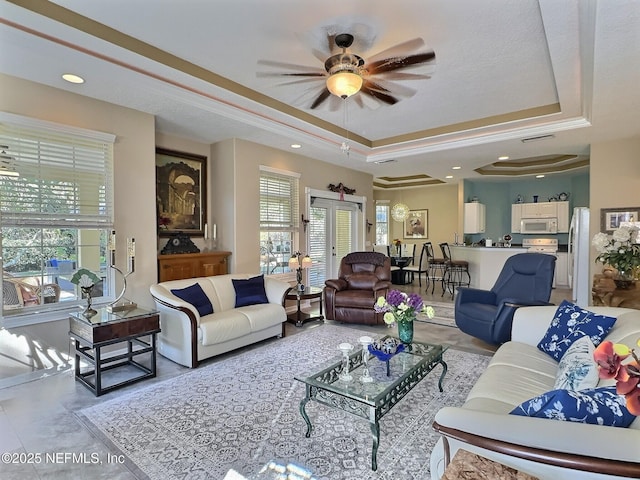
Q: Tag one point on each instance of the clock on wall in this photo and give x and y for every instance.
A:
(179, 243)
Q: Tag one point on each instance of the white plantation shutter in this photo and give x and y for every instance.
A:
(65, 175)
(279, 198)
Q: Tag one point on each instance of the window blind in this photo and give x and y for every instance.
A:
(64, 178)
(279, 209)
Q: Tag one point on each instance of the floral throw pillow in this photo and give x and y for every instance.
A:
(570, 323)
(577, 369)
(597, 406)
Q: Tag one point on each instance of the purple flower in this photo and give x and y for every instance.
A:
(395, 298)
(415, 301)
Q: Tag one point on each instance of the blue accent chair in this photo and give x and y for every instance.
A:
(525, 280)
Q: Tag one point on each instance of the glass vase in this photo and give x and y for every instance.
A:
(624, 280)
(405, 332)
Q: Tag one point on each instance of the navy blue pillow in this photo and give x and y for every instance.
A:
(598, 406)
(250, 291)
(196, 297)
(570, 323)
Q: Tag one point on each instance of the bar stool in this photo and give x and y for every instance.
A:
(455, 271)
(437, 268)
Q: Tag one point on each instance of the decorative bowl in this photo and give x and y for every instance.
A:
(385, 350)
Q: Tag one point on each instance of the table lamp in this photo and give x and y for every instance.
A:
(297, 262)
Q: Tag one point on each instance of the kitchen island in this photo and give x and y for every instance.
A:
(485, 263)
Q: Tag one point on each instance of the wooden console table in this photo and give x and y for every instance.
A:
(177, 266)
(605, 293)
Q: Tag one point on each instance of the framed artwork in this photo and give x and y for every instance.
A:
(181, 193)
(612, 218)
(415, 226)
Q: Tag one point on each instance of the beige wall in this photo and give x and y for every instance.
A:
(134, 168)
(614, 181)
(237, 173)
(440, 200)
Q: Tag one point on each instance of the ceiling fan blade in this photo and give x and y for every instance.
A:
(298, 82)
(271, 75)
(397, 63)
(399, 50)
(379, 95)
(394, 75)
(320, 98)
(388, 87)
(289, 66)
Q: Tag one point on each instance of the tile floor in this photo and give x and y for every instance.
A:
(40, 437)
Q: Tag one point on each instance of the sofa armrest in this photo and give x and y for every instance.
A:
(275, 289)
(164, 296)
(568, 444)
(474, 295)
(336, 283)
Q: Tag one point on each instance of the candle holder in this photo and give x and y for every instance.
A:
(124, 305)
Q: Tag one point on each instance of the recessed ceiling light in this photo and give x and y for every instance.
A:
(539, 176)
(71, 78)
(296, 145)
(503, 157)
(449, 176)
(456, 168)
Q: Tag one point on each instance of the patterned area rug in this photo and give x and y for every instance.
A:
(242, 412)
(444, 314)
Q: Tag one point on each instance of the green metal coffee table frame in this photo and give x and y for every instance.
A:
(371, 400)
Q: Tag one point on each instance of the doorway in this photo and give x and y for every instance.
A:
(333, 233)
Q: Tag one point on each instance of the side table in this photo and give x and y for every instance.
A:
(92, 334)
(604, 292)
(299, 317)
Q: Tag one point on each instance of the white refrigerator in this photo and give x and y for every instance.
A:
(578, 263)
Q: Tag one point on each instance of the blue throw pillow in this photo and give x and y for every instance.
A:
(571, 323)
(250, 291)
(598, 406)
(196, 297)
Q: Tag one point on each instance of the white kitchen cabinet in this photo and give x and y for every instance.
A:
(563, 217)
(540, 210)
(562, 272)
(474, 217)
(516, 216)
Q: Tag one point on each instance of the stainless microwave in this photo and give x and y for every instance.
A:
(538, 225)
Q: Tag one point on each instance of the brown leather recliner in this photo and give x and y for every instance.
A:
(363, 277)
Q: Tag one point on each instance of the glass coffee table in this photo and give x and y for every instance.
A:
(374, 399)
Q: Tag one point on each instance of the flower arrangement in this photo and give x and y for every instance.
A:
(400, 307)
(609, 357)
(397, 242)
(619, 250)
(163, 222)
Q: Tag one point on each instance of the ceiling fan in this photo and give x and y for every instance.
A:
(346, 73)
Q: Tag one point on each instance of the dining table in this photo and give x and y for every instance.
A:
(399, 277)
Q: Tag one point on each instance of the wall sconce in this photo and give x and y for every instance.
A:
(369, 225)
(304, 223)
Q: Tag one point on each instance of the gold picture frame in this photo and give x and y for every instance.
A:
(416, 225)
(181, 193)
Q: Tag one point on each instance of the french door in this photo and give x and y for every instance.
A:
(332, 234)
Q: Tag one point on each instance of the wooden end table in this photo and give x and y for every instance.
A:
(92, 334)
(299, 317)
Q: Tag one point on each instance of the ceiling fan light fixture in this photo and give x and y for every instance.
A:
(344, 84)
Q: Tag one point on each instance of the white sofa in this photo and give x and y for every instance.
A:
(186, 338)
(547, 449)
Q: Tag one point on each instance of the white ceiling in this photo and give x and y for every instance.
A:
(194, 65)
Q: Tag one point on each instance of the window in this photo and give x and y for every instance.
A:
(382, 223)
(55, 213)
(279, 214)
